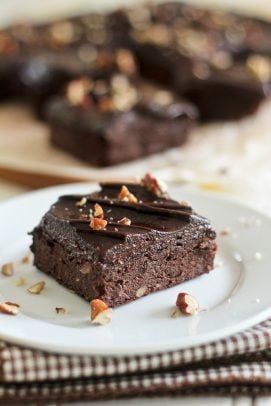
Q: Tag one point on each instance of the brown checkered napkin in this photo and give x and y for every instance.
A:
(240, 363)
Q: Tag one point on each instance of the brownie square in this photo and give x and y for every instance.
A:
(227, 94)
(118, 119)
(123, 242)
(39, 59)
(197, 53)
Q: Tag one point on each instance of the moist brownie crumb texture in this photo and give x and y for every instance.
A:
(145, 246)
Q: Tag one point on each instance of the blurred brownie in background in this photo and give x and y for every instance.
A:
(209, 56)
(218, 60)
(36, 61)
(118, 118)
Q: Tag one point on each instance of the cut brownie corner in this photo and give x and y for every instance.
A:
(123, 242)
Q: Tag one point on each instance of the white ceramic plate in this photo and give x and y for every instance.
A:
(233, 297)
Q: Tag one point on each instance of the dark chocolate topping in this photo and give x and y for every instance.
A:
(150, 214)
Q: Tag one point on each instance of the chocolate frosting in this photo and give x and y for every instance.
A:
(152, 213)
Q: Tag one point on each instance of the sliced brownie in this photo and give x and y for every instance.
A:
(218, 60)
(229, 93)
(123, 242)
(117, 119)
(39, 59)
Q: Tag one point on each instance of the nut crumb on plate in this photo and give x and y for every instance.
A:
(60, 310)
(7, 269)
(187, 304)
(37, 288)
(9, 308)
(100, 312)
(21, 282)
(26, 259)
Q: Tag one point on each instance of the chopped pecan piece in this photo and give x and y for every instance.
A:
(20, 282)
(187, 304)
(100, 312)
(37, 288)
(81, 202)
(126, 196)
(98, 211)
(7, 269)
(125, 221)
(26, 259)
(60, 310)
(97, 223)
(9, 308)
(154, 185)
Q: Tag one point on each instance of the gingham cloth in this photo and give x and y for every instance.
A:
(237, 364)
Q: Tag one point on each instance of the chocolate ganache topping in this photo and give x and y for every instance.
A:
(150, 213)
